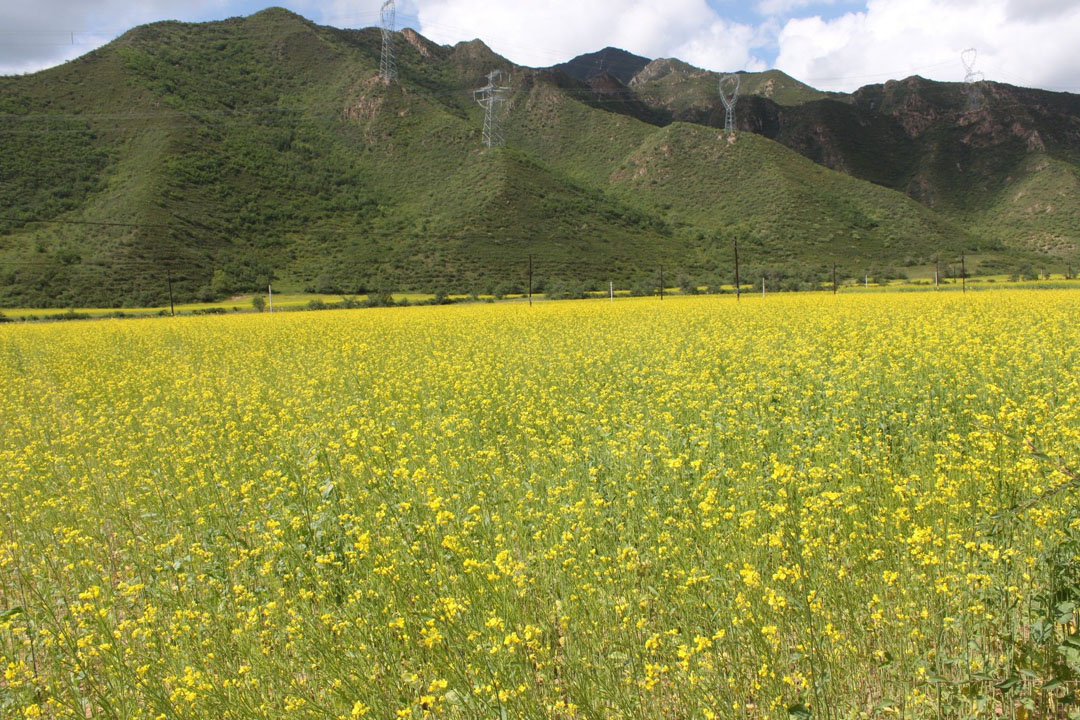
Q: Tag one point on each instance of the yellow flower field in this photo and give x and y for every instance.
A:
(807, 506)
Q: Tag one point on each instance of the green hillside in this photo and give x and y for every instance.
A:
(787, 208)
(1040, 208)
(224, 156)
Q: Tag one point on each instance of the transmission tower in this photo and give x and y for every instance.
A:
(490, 97)
(729, 102)
(972, 78)
(387, 66)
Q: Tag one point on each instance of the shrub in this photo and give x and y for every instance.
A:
(379, 299)
(642, 287)
(687, 285)
(566, 290)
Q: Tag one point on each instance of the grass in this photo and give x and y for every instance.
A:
(837, 506)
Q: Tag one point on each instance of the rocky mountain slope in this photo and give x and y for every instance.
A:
(1002, 161)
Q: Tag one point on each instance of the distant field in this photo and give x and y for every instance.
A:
(241, 303)
(802, 506)
(300, 301)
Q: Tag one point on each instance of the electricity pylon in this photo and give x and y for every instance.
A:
(387, 66)
(490, 97)
(972, 78)
(729, 103)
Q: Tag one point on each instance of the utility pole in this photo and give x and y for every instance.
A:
(490, 97)
(611, 290)
(736, 242)
(661, 282)
(834, 279)
(270, 292)
(729, 102)
(530, 281)
(762, 287)
(387, 64)
(963, 272)
(172, 306)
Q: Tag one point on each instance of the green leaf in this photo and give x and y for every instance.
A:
(1008, 683)
(8, 614)
(885, 704)
(799, 712)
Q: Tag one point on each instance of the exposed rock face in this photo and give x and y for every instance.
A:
(659, 69)
(425, 47)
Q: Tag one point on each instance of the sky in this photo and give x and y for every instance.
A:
(830, 44)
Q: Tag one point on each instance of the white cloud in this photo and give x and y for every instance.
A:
(546, 33)
(722, 46)
(36, 35)
(350, 13)
(1035, 10)
(892, 39)
(786, 7)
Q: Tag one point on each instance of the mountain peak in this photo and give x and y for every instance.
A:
(276, 12)
(619, 63)
(276, 17)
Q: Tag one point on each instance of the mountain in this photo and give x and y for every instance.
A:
(618, 63)
(215, 158)
(1000, 160)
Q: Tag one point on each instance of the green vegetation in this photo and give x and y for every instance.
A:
(220, 157)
